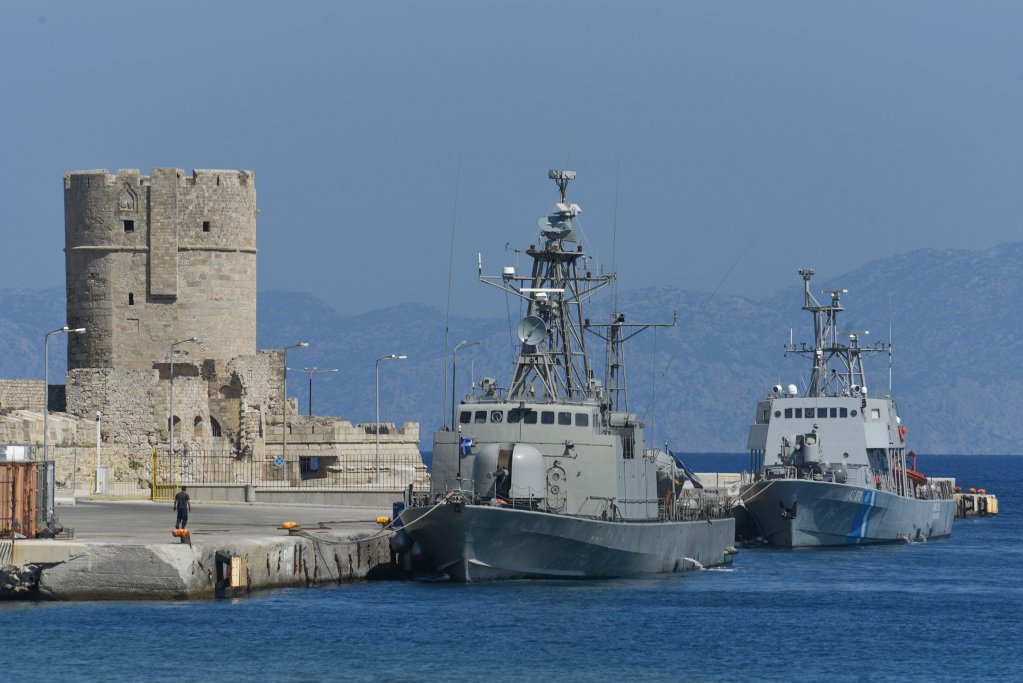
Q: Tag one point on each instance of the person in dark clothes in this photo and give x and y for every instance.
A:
(182, 504)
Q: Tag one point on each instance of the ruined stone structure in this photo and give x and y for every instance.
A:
(154, 260)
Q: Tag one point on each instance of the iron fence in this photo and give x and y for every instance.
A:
(296, 472)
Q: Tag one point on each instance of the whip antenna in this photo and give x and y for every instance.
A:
(447, 312)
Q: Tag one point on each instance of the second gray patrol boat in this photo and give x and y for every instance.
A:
(552, 479)
(830, 466)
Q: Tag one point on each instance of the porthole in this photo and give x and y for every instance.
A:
(777, 413)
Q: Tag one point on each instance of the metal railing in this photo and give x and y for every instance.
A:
(296, 472)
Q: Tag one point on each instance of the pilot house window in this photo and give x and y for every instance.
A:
(547, 417)
(465, 416)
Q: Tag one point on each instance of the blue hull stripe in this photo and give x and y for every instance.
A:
(861, 520)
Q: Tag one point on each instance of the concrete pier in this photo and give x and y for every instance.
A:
(124, 550)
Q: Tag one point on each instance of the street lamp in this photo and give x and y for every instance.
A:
(284, 399)
(170, 355)
(311, 372)
(392, 356)
(462, 344)
(46, 385)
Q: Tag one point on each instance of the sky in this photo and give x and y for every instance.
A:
(717, 144)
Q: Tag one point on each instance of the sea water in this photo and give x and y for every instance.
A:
(944, 610)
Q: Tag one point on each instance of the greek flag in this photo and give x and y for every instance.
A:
(465, 445)
(685, 470)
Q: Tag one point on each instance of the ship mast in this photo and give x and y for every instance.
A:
(837, 368)
(615, 334)
(553, 352)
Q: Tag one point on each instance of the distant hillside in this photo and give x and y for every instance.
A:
(956, 372)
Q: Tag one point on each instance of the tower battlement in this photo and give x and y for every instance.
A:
(200, 176)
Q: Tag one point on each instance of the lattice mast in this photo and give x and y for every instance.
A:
(837, 368)
(553, 358)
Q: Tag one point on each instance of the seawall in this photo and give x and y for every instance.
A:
(127, 551)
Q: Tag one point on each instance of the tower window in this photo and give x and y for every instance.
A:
(205, 226)
(131, 299)
(129, 225)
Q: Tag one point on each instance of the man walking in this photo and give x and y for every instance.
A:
(182, 504)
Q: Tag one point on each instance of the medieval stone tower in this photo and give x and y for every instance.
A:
(160, 259)
(155, 259)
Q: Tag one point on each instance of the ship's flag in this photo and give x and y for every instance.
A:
(686, 471)
(465, 445)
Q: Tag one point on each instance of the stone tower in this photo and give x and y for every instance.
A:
(151, 260)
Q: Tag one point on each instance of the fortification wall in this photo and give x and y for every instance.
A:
(125, 397)
(151, 260)
(21, 394)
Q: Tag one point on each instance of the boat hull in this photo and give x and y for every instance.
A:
(799, 513)
(483, 542)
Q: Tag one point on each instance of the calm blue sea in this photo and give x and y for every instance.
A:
(947, 610)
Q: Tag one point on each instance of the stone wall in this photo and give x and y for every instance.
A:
(151, 260)
(21, 394)
(124, 396)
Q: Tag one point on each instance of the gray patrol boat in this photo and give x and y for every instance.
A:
(550, 478)
(830, 467)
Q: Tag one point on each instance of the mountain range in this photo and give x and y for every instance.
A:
(955, 367)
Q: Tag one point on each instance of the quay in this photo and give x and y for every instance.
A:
(125, 550)
(975, 503)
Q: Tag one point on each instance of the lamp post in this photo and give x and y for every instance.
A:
(284, 400)
(462, 344)
(170, 422)
(392, 356)
(311, 372)
(46, 391)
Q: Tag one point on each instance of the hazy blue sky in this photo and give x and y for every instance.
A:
(831, 133)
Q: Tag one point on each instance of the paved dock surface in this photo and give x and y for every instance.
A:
(143, 522)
